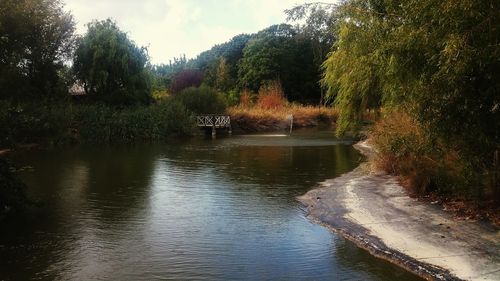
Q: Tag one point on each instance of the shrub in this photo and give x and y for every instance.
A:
(271, 96)
(231, 98)
(102, 124)
(173, 118)
(93, 123)
(402, 147)
(33, 122)
(424, 163)
(159, 95)
(202, 100)
(62, 123)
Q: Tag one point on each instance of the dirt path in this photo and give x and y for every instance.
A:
(374, 211)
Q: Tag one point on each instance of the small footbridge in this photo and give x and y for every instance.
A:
(214, 122)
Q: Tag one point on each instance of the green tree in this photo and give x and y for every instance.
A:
(164, 74)
(231, 52)
(36, 38)
(223, 79)
(316, 22)
(436, 59)
(277, 53)
(111, 67)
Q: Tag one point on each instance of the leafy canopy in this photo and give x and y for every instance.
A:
(278, 53)
(111, 67)
(436, 59)
(36, 38)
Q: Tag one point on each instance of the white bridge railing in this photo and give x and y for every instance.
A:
(214, 122)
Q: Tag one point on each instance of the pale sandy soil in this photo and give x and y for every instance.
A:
(374, 211)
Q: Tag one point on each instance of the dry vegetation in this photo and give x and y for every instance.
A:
(269, 110)
(405, 149)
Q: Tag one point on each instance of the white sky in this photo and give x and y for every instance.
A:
(170, 28)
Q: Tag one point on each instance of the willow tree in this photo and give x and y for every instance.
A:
(111, 67)
(436, 59)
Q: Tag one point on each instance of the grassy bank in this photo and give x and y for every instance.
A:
(258, 119)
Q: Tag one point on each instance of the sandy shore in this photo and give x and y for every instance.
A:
(374, 211)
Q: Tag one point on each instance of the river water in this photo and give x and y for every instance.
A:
(197, 209)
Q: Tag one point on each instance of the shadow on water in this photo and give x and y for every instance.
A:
(193, 209)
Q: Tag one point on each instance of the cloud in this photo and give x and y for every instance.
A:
(170, 28)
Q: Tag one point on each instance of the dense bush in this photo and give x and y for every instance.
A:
(202, 100)
(424, 163)
(103, 124)
(33, 122)
(62, 123)
(231, 97)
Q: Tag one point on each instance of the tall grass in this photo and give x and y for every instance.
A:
(102, 124)
(272, 110)
(302, 115)
(63, 123)
(246, 99)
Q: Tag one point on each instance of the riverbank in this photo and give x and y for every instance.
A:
(374, 211)
(67, 122)
(255, 119)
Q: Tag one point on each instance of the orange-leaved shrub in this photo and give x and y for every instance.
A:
(271, 96)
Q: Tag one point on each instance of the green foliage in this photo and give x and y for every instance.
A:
(164, 74)
(223, 80)
(277, 53)
(63, 123)
(290, 54)
(33, 122)
(159, 95)
(36, 37)
(436, 59)
(202, 100)
(102, 124)
(111, 67)
(231, 97)
(316, 21)
(12, 191)
(231, 52)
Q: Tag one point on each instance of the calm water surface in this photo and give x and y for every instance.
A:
(199, 209)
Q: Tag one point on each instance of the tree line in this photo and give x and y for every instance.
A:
(38, 44)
